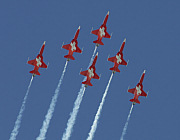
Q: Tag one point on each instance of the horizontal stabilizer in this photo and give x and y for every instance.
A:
(69, 56)
(115, 69)
(136, 101)
(35, 72)
(87, 83)
(98, 42)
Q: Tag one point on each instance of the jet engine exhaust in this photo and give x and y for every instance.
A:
(96, 119)
(126, 125)
(17, 125)
(48, 117)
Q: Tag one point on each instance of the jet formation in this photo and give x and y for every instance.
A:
(38, 62)
(91, 72)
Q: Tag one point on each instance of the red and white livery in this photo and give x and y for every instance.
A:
(90, 73)
(101, 32)
(118, 59)
(38, 62)
(138, 90)
(72, 47)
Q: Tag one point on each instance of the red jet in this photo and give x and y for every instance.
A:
(101, 32)
(138, 91)
(72, 47)
(118, 59)
(90, 73)
(38, 62)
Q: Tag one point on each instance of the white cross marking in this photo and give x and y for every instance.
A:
(102, 33)
(91, 74)
(73, 47)
(119, 60)
(138, 90)
(38, 60)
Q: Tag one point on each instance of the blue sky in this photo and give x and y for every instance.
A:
(152, 32)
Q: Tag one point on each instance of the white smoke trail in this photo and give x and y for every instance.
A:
(92, 57)
(126, 125)
(96, 119)
(50, 112)
(17, 125)
(73, 114)
(77, 103)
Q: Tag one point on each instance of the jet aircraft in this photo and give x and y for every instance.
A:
(118, 59)
(72, 47)
(138, 90)
(38, 62)
(90, 73)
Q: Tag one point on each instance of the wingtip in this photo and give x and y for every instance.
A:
(44, 42)
(79, 27)
(124, 40)
(108, 13)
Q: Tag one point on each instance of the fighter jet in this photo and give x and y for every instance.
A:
(138, 90)
(101, 32)
(118, 59)
(72, 47)
(38, 62)
(90, 73)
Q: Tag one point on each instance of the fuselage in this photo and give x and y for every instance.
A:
(38, 62)
(91, 72)
(138, 90)
(102, 32)
(73, 45)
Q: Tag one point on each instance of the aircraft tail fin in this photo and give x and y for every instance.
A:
(115, 69)
(135, 100)
(69, 56)
(87, 83)
(98, 42)
(35, 72)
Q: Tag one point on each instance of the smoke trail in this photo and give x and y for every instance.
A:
(92, 57)
(96, 119)
(126, 125)
(73, 115)
(77, 103)
(50, 112)
(17, 125)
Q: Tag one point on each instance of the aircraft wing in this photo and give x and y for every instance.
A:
(78, 50)
(95, 76)
(112, 59)
(123, 62)
(95, 32)
(32, 62)
(143, 93)
(84, 73)
(131, 90)
(67, 47)
(43, 65)
(107, 35)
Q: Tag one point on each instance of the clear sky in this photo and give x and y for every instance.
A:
(152, 32)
